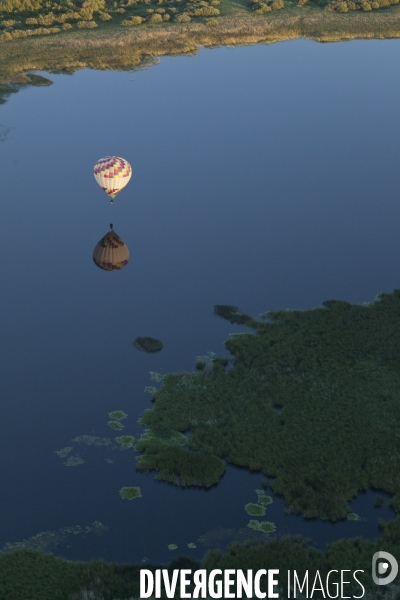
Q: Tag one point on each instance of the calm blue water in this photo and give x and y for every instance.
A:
(265, 177)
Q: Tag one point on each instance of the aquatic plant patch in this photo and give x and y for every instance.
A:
(74, 461)
(126, 441)
(263, 526)
(335, 370)
(117, 415)
(130, 493)
(116, 425)
(254, 510)
(263, 498)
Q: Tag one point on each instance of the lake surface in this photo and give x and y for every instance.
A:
(266, 177)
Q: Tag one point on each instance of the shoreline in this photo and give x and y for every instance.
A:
(140, 47)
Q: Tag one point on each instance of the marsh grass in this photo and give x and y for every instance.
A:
(124, 48)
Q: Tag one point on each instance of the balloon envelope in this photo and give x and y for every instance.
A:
(112, 173)
(111, 253)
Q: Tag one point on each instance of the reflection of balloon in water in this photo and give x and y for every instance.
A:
(112, 174)
(111, 253)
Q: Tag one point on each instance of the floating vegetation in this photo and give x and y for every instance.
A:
(255, 510)
(150, 389)
(129, 493)
(118, 415)
(191, 545)
(263, 498)
(263, 526)
(157, 377)
(91, 440)
(172, 546)
(335, 370)
(378, 501)
(64, 451)
(116, 425)
(47, 541)
(148, 344)
(74, 461)
(353, 517)
(109, 460)
(267, 527)
(126, 441)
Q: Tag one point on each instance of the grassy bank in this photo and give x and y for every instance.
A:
(112, 46)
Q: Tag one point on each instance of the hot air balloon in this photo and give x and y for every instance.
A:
(111, 253)
(112, 173)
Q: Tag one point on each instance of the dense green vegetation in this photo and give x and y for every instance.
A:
(295, 552)
(335, 371)
(164, 451)
(148, 344)
(33, 575)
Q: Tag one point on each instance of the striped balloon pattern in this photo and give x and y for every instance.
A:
(111, 253)
(112, 173)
